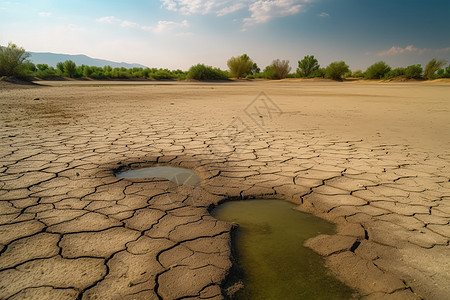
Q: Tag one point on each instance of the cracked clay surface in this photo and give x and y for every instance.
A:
(372, 158)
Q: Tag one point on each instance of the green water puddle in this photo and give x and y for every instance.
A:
(270, 251)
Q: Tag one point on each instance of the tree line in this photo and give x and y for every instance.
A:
(14, 62)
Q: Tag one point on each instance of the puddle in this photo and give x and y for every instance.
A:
(177, 175)
(269, 246)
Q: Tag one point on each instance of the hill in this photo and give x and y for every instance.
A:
(52, 59)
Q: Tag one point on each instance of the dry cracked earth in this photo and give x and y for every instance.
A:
(372, 158)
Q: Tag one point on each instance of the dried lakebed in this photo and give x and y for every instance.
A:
(363, 156)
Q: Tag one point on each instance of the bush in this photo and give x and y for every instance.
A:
(281, 68)
(336, 70)
(269, 72)
(443, 73)
(240, 66)
(13, 61)
(48, 72)
(358, 74)
(394, 73)
(377, 71)
(431, 68)
(163, 74)
(307, 66)
(347, 74)
(202, 72)
(413, 71)
(319, 73)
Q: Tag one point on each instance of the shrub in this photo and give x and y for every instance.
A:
(377, 70)
(431, 68)
(163, 74)
(307, 66)
(13, 61)
(202, 72)
(281, 68)
(240, 66)
(413, 71)
(42, 67)
(45, 72)
(358, 74)
(269, 72)
(292, 75)
(336, 70)
(394, 73)
(443, 73)
(319, 73)
(347, 74)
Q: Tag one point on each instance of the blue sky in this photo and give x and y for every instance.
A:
(180, 33)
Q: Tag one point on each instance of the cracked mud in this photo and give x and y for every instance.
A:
(371, 158)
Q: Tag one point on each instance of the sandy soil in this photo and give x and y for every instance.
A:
(373, 158)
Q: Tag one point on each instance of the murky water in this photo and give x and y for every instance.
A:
(270, 251)
(177, 175)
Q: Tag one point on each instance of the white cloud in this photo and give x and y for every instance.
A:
(261, 11)
(161, 26)
(324, 14)
(188, 7)
(45, 14)
(169, 25)
(108, 20)
(230, 9)
(129, 24)
(410, 49)
(397, 50)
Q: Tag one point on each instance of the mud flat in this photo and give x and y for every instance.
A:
(372, 158)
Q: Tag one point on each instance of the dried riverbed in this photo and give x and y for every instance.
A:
(372, 158)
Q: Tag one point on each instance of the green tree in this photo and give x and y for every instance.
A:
(413, 71)
(60, 68)
(377, 70)
(307, 66)
(255, 69)
(336, 70)
(13, 61)
(281, 68)
(431, 68)
(240, 65)
(87, 71)
(69, 68)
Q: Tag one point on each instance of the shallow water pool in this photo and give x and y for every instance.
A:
(269, 246)
(177, 175)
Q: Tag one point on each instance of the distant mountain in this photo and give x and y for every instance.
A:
(52, 59)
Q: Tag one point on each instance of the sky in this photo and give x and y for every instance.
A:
(177, 34)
